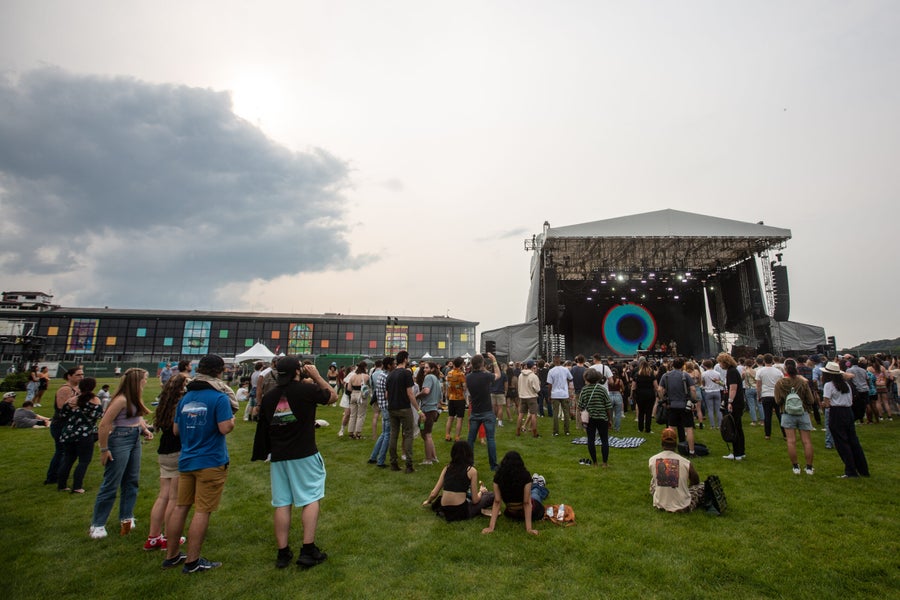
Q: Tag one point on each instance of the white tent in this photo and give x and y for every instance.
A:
(257, 352)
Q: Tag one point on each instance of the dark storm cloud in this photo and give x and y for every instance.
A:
(128, 193)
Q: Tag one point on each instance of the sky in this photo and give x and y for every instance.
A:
(391, 157)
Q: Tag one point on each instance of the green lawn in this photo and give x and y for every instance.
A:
(783, 536)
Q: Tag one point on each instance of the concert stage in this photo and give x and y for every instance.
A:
(640, 282)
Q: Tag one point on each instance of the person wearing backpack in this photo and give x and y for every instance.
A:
(795, 399)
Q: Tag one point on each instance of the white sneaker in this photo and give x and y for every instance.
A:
(796, 470)
(741, 457)
(728, 457)
(98, 533)
(810, 470)
(341, 432)
(499, 423)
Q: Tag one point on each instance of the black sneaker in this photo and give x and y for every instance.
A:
(394, 467)
(312, 557)
(174, 562)
(200, 566)
(285, 556)
(409, 469)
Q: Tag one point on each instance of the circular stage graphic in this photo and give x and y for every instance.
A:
(628, 328)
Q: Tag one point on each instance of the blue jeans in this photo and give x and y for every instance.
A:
(489, 420)
(829, 440)
(712, 401)
(754, 406)
(618, 405)
(379, 452)
(124, 470)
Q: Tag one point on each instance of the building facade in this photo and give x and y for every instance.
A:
(109, 335)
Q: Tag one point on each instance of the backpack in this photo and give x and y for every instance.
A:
(793, 405)
(726, 428)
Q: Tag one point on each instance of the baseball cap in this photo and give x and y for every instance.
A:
(9, 395)
(529, 364)
(287, 368)
(669, 437)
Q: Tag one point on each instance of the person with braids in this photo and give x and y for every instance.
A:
(120, 452)
(79, 415)
(167, 455)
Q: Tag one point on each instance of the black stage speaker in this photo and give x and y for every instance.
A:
(782, 307)
(551, 297)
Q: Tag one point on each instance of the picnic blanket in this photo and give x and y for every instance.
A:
(614, 442)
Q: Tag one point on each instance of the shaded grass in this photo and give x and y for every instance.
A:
(782, 536)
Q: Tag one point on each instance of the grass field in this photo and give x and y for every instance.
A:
(783, 535)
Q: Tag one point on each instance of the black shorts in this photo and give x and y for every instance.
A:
(456, 408)
(681, 417)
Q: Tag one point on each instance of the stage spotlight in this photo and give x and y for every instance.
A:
(621, 278)
(675, 296)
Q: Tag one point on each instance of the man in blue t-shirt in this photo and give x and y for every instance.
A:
(202, 420)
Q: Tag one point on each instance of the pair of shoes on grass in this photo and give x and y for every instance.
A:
(310, 556)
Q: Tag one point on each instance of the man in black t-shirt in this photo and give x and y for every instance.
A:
(401, 403)
(479, 382)
(286, 433)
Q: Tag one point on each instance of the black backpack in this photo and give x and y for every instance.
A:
(726, 428)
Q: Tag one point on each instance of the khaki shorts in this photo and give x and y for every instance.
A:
(202, 488)
(168, 465)
(528, 406)
(498, 400)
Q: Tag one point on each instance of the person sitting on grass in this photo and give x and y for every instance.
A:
(514, 486)
(463, 495)
(674, 482)
(25, 418)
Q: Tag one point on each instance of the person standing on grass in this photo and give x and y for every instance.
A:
(167, 456)
(838, 396)
(456, 398)
(478, 383)
(595, 399)
(734, 403)
(401, 404)
(202, 420)
(72, 376)
(119, 435)
(379, 381)
(286, 434)
(766, 378)
(80, 414)
(678, 391)
(529, 388)
(792, 381)
(562, 389)
(429, 398)
(674, 482)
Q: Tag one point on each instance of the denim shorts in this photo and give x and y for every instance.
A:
(800, 422)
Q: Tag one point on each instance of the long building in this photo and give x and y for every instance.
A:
(33, 328)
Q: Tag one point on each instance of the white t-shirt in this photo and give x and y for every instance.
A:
(836, 397)
(767, 377)
(711, 381)
(607, 372)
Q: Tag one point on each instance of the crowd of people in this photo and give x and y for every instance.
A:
(196, 411)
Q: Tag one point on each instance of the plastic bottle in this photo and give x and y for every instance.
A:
(561, 513)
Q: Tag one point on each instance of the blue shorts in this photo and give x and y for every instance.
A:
(298, 482)
(800, 422)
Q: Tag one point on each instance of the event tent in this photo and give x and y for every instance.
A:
(257, 352)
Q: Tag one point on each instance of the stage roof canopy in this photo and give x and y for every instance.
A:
(663, 241)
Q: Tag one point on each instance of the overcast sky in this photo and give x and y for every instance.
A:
(390, 157)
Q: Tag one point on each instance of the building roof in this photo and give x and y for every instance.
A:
(244, 316)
